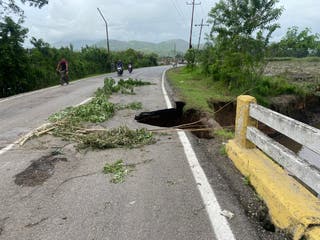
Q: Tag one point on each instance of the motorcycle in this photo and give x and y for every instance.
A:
(119, 70)
(130, 68)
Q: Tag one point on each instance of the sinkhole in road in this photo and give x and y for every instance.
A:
(191, 119)
(39, 170)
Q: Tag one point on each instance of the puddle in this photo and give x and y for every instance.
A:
(39, 171)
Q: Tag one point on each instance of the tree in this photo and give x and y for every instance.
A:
(10, 6)
(241, 30)
(296, 44)
(190, 56)
(13, 58)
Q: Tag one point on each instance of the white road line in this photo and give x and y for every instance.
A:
(10, 146)
(27, 94)
(219, 223)
(84, 102)
(7, 148)
(44, 89)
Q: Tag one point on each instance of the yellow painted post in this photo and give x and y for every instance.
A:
(243, 120)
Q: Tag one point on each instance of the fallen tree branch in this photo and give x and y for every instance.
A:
(36, 132)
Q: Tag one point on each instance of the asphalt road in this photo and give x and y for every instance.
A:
(160, 199)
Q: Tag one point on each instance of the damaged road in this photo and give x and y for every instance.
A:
(68, 196)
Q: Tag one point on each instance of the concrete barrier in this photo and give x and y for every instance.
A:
(291, 206)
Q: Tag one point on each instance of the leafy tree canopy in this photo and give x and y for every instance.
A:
(10, 6)
(231, 18)
(240, 32)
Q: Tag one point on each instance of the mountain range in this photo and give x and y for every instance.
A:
(165, 48)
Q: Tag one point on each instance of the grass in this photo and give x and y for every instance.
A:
(118, 170)
(196, 89)
(246, 180)
(225, 134)
(223, 150)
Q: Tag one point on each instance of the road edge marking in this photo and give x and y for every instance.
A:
(44, 89)
(10, 146)
(219, 223)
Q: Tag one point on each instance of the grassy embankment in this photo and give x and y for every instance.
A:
(284, 76)
(196, 89)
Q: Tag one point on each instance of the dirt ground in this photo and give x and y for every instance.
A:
(297, 71)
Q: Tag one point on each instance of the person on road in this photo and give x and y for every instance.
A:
(62, 68)
(119, 64)
(119, 67)
(130, 67)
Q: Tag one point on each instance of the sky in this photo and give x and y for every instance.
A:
(152, 20)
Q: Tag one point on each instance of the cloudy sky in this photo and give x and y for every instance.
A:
(153, 20)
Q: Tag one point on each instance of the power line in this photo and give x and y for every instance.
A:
(184, 17)
(203, 12)
(178, 10)
(200, 25)
(193, 4)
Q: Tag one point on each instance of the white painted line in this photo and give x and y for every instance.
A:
(45, 89)
(27, 94)
(10, 146)
(84, 102)
(7, 148)
(219, 223)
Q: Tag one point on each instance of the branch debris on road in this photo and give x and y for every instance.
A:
(70, 123)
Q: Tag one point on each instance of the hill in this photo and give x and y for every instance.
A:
(165, 48)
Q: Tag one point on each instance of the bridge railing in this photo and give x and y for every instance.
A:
(247, 135)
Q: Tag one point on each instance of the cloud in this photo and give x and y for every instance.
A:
(155, 20)
(299, 13)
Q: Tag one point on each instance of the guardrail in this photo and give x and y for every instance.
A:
(248, 136)
(269, 166)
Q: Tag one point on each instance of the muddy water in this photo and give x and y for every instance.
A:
(302, 151)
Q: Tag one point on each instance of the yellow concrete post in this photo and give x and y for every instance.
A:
(243, 120)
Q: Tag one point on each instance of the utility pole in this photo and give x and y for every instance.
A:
(106, 30)
(201, 25)
(193, 3)
(174, 54)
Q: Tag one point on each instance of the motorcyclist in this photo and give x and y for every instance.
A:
(119, 64)
(130, 67)
(119, 67)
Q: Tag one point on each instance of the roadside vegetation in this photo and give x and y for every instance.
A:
(24, 70)
(78, 123)
(239, 58)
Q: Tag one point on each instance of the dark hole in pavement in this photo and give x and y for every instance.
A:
(39, 171)
(176, 117)
(225, 112)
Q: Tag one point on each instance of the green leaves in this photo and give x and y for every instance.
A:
(8, 6)
(121, 137)
(240, 32)
(123, 86)
(13, 58)
(297, 44)
(99, 109)
(118, 169)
